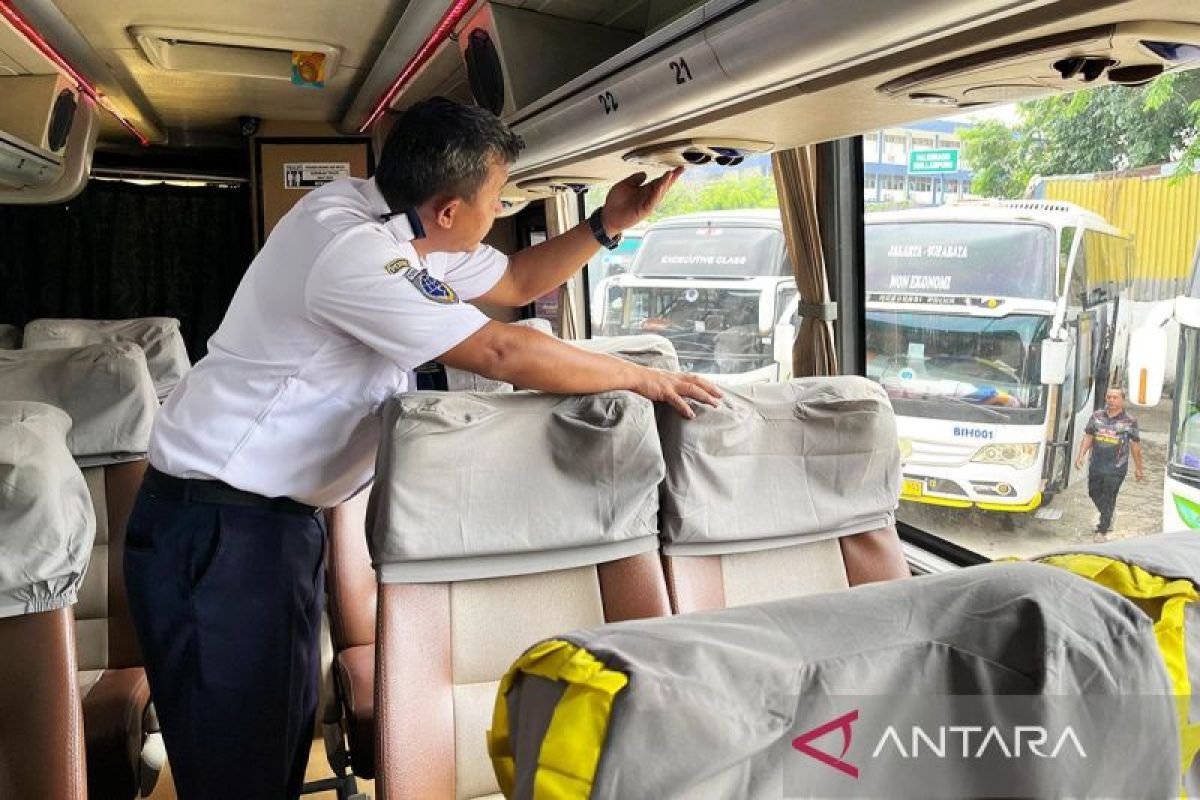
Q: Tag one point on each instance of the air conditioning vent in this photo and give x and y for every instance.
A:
(38, 110)
(697, 152)
(507, 50)
(1128, 53)
(228, 53)
(555, 185)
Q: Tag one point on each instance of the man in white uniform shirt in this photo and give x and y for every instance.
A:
(360, 283)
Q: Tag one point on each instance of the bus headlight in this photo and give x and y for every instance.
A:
(1021, 456)
(905, 449)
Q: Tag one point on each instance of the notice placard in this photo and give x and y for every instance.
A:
(310, 175)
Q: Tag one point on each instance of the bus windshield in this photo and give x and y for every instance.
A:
(978, 259)
(707, 251)
(953, 366)
(1185, 444)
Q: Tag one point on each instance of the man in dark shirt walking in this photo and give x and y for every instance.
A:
(1111, 435)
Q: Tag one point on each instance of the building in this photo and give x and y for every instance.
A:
(886, 178)
(886, 154)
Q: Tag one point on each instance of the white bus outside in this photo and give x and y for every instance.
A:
(1148, 345)
(716, 284)
(961, 302)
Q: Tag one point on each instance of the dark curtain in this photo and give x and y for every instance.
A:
(120, 250)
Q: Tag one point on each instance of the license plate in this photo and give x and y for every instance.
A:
(912, 488)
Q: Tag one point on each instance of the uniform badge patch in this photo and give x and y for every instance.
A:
(426, 284)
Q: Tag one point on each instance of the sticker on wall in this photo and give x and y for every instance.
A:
(313, 174)
(308, 69)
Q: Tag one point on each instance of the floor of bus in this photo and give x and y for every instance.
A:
(318, 767)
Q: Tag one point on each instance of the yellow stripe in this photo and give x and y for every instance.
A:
(570, 750)
(1030, 506)
(1164, 601)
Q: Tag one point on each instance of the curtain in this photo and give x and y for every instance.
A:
(795, 181)
(562, 215)
(120, 250)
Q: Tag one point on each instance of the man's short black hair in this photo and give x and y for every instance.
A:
(439, 148)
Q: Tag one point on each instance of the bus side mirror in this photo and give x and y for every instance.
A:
(1147, 365)
(1055, 360)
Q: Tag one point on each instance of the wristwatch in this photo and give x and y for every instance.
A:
(597, 224)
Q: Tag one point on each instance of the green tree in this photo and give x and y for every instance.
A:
(1096, 130)
(1112, 127)
(993, 150)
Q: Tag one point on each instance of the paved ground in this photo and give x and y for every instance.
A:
(1139, 507)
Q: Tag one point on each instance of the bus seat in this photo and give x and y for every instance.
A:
(647, 349)
(349, 720)
(107, 391)
(761, 491)
(159, 337)
(10, 337)
(496, 520)
(48, 527)
(1000, 645)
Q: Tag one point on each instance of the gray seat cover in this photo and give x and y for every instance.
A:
(47, 523)
(780, 463)
(10, 337)
(472, 485)
(106, 390)
(648, 349)
(715, 700)
(166, 353)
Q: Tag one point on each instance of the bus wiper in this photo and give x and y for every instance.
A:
(993, 413)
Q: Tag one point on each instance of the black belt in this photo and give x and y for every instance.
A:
(208, 491)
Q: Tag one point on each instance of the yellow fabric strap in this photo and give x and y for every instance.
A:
(570, 751)
(1135, 583)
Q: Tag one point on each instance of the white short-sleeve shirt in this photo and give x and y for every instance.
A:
(329, 320)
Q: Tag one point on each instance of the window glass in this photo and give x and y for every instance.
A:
(967, 285)
(710, 273)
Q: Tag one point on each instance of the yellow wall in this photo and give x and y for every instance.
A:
(1164, 220)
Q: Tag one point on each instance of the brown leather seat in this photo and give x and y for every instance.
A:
(536, 546)
(109, 394)
(47, 529)
(785, 490)
(350, 589)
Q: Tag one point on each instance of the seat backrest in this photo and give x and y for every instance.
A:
(496, 520)
(159, 338)
(648, 350)
(760, 490)
(107, 391)
(48, 526)
(10, 337)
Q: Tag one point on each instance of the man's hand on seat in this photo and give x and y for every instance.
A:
(662, 386)
(530, 359)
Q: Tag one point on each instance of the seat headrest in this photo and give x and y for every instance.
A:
(472, 485)
(10, 337)
(166, 353)
(46, 515)
(105, 389)
(779, 463)
(648, 350)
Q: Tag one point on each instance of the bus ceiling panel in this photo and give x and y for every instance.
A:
(541, 44)
(738, 52)
(63, 34)
(828, 99)
(1128, 53)
(18, 57)
(190, 99)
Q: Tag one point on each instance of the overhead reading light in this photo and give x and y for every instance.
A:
(441, 32)
(31, 35)
(697, 152)
(558, 185)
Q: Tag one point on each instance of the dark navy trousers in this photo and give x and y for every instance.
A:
(227, 602)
